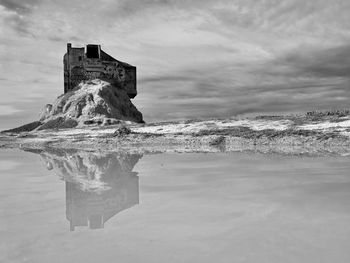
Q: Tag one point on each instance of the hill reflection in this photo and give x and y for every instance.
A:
(98, 185)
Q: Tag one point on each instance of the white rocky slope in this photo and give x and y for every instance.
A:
(91, 102)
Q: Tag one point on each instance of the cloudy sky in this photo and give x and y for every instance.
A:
(195, 58)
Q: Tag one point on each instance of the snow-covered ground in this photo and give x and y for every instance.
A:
(342, 127)
(326, 125)
(191, 127)
(331, 135)
(198, 126)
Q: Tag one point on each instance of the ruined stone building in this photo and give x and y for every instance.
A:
(93, 210)
(93, 207)
(91, 63)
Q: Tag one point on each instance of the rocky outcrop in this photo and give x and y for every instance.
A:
(94, 102)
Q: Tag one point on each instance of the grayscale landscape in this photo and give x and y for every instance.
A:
(174, 131)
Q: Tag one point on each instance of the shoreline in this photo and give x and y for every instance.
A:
(295, 135)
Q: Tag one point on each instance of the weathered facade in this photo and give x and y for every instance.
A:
(91, 63)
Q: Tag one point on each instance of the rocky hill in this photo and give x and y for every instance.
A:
(93, 102)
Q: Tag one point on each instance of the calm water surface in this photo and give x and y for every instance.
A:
(113, 207)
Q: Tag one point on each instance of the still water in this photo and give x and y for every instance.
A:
(115, 207)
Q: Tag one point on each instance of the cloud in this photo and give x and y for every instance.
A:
(222, 90)
(8, 110)
(316, 62)
(133, 7)
(19, 6)
(14, 14)
(195, 58)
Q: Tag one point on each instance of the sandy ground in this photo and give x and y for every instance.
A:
(318, 135)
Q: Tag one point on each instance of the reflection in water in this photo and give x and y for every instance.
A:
(98, 185)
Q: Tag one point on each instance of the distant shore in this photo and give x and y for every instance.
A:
(312, 134)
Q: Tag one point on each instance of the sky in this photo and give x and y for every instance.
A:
(194, 58)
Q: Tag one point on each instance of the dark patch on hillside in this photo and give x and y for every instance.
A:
(25, 128)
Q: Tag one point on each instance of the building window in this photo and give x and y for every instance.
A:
(92, 51)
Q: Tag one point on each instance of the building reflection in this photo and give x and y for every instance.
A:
(98, 185)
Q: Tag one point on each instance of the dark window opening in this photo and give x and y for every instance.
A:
(92, 51)
(80, 58)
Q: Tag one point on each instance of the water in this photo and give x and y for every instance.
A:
(88, 207)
